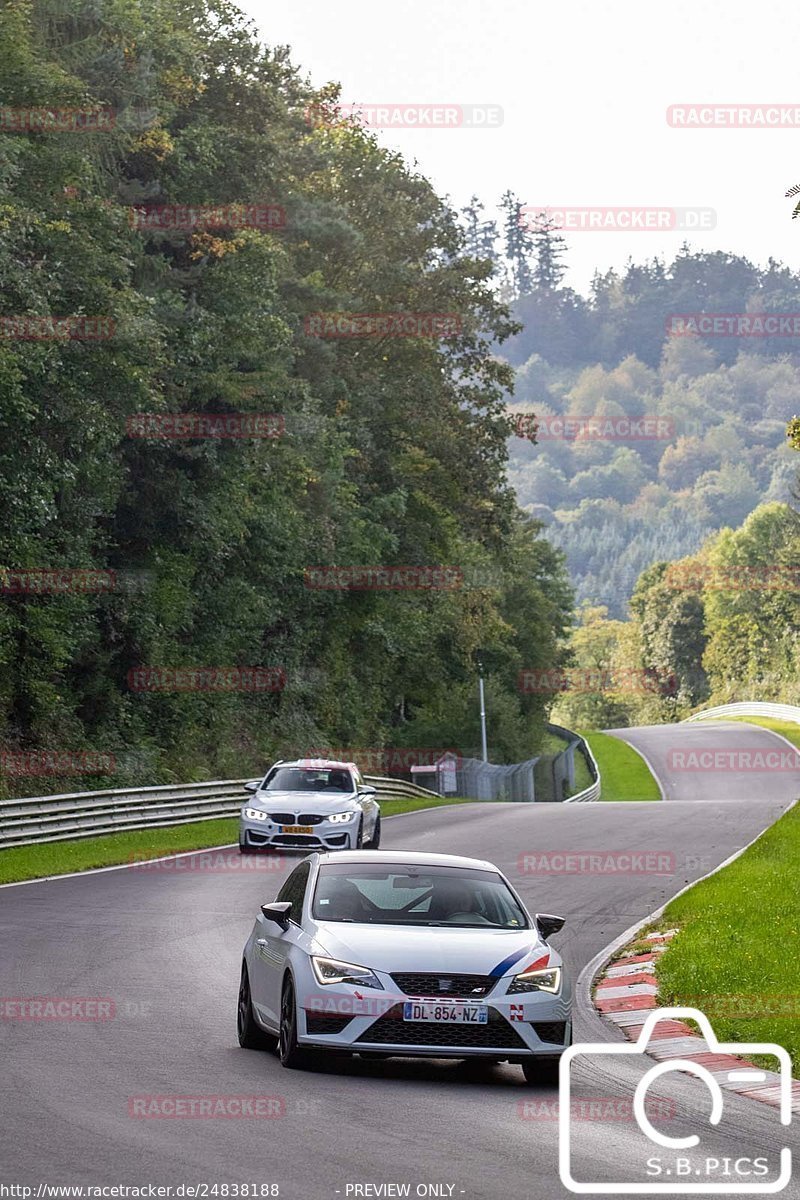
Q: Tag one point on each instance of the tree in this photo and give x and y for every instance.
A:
(518, 244)
(549, 248)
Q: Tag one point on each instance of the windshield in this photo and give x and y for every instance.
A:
(407, 895)
(308, 779)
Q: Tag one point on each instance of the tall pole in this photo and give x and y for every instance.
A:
(484, 751)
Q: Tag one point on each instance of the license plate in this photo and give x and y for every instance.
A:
(460, 1014)
(296, 829)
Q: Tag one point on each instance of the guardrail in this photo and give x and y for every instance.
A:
(593, 791)
(88, 814)
(750, 708)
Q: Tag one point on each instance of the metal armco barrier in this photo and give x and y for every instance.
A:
(750, 708)
(88, 814)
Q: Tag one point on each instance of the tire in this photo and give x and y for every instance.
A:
(290, 1054)
(243, 849)
(360, 835)
(376, 837)
(542, 1071)
(251, 1035)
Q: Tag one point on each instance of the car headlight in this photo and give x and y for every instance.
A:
(348, 816)
(548, 980)
(333, 970)
(255, 814)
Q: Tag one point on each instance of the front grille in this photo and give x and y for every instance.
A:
(442, 984)
(291, 819)
(550, 1031)
(392, 1030)
(317, 1022)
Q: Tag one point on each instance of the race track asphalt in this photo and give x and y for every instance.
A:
(165, 944)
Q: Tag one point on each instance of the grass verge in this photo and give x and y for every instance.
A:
(59, 858)
(736, 955)
(624, 773)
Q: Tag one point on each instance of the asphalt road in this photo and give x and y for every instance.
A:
(165, 945)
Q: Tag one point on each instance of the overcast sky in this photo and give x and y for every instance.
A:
(584, 86)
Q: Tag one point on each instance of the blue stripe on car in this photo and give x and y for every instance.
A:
(503, 966)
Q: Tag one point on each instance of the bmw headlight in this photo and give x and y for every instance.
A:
(548, 980)
(333, 970)
(341, 817)
(255, 814)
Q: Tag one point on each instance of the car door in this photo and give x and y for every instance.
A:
(273, 946)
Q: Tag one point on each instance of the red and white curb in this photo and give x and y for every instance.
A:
(627, 993)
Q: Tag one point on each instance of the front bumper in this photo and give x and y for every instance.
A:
(326, 835)
(519, 1026)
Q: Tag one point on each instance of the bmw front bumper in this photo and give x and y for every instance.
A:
(325, 835)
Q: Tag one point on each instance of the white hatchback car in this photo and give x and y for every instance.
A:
(404, 954)
(311, 804)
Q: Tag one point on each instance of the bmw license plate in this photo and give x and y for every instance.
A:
(464, 1014)
(296, 829)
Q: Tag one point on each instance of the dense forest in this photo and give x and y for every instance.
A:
(705, 443)
(376, 451)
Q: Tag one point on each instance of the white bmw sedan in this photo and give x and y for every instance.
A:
(404, 954)
(311, 804)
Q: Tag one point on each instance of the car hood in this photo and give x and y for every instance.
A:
(472, 951)
(295, 802)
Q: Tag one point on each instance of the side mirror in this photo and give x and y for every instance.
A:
(367, 790)
(548, 924)
(252, 786)
(279, 913)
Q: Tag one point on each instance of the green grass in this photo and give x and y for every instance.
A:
(624, 773)
(583, 778)
(58, 858)
(739, 945)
